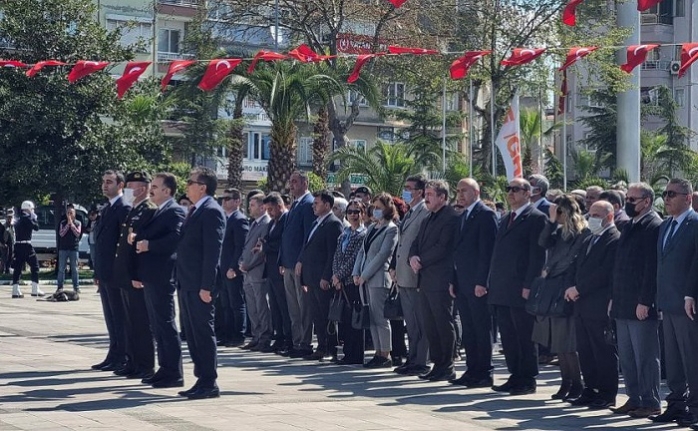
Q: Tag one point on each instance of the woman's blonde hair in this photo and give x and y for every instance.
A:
(574, 220)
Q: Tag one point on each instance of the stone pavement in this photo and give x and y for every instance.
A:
(46, 350)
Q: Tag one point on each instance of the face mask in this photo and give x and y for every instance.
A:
(407, 196)
(128, 196)
(595, 225)
(630, 209)
(378, 214)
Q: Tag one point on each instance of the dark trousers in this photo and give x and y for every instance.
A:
(116, 308)
(8, 257)
(24, 253)
(280, 319)
(681, 352)
(198, 320)
(235, 315)
(139, 339)
(353, 338)
(159, 301)
(117, 351)
(598, 360)
(520, 353)
(477, 334)
(437, 309)
(397, 339)
(320, 307)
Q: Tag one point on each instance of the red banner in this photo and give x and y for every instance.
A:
(348, 43)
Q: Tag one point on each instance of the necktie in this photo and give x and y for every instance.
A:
(254, 225)
(512, 217)
(672, 230)
(464, 217)
(293, 205)
(592, 242)
(312, 229)
(190, 212)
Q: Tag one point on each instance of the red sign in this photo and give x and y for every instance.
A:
(348, 43)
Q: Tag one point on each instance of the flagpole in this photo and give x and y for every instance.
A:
(471, 118)
(443, 130)
(492, 135)
(564, 143)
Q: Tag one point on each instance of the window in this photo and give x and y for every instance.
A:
(452, 102)
(394, 94)
(585, 99)
(134, 32)
(386, 134)
(257, 146)
(679, 8)
(680, 97)
(649, 96)
(353, 95)
(168, 41)
(305, 151)
(359, 144)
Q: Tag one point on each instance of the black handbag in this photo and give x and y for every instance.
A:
(547, 298)
(337, 304)
(392, 310)
(360, 313)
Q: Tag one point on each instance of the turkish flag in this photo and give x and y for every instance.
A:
(521, 56)
(636, 55)
(562, 100)
(575, 54)
(84, 68)
(569, 14)
(12, 63)
(175, 67)
(404, 50)
(361, 60)
(397, 3)
(217, 70)
(461, 66)
(265, 56)
(132, 71)
(689, 54)
(40, 65)
(643, 5)
(305, 54)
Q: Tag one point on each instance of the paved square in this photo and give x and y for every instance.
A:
(46, 350)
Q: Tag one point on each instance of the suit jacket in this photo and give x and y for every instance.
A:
(254, 262)
(635, 270)
(473, 249)
(107, 234)
(544, 207)
(592, 273)
(162, 232)
(272, 244)
(126, 259)
(298, 224)
(434, 246)
(517, 257)
(409, 228)
(374, 256)
(236, 228)
(677, 269)
(621, 219)
(199, 250)
(318, 252)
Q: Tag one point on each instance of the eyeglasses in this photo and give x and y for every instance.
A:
(632, 200)
(672, 194)
(227, 198)
(514, 189)
(190, 182)
(350, 212)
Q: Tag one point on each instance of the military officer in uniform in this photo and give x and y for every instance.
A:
(140, 351)
(24, 251)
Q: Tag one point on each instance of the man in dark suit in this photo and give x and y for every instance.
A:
(677, 278)
(106, 237)
(539, 188)
(590, 278)
(140, 353)
(234, 313)
(156, 245)
(277, 293)
(431, 257)
(298, 224)
(198, 256)
(315, 265)
(633, 304)
(615, 198)
(472, 258)
(516, 260)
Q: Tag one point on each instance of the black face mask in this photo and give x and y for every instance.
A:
(630, 210)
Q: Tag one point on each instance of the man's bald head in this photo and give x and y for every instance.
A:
(468, 191)
(601, 209)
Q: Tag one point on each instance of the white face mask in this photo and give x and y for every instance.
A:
(595, 225)
(128, 197)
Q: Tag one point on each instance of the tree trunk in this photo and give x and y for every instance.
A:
(283, 156)
(321, 144)
(235, 149)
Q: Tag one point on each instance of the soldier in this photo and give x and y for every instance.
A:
(24, 251)
(138, 338)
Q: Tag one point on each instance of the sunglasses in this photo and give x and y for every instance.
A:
(190, 182)
(514, 189)
(227, 198)
(350, 212)
(634, 200)
(672, 194)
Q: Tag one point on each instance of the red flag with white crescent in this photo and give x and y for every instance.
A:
(643, 5)
(40, 65)
(305, 54)
(175, 67)
(12, 63)
(265, 56)
(575, 54)
(521, 56)
(569, 14)
(132, 71)
(84, 68)
(689, 54)
(397, 3)
(361, 60)
(406, 50)
(216, 71)
(636, 55)
(461, 66)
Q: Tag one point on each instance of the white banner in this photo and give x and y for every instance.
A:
(509, 141)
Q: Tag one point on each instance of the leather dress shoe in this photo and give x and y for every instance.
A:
(111, 367)
(506, 387)
(203, 393)
(249, 346)
(584, 400)
(316, 356)
(417, 370)
(625, 409)
(168, 383)
(600, 403)
(221, 343)
(285, 351)
(295, 354)
(443, 376)
(350, 362)
(523, 390)
(461, 381)
(189, 391)
(100, 365)
(430, 374)
(125, 371)
(644, 412)
(276, 346)
(235, 343)
(402, 369)
(266, 349)
(482, 383)
(154, 378)
(141, 374)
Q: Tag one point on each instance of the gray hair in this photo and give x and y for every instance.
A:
(539, 181)
(646, 190)
(439, 186)
(685, 185)
(342, 204)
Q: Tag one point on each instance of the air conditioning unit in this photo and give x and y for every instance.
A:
(674, 67)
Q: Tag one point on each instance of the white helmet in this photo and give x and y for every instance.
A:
(28, 205)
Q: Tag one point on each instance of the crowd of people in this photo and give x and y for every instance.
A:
(463, 271)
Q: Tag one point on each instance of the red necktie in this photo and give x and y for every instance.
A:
(512, 217)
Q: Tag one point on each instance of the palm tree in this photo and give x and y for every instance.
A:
(285, 91)
(531, 127)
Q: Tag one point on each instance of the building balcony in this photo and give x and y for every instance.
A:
(182, 8)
